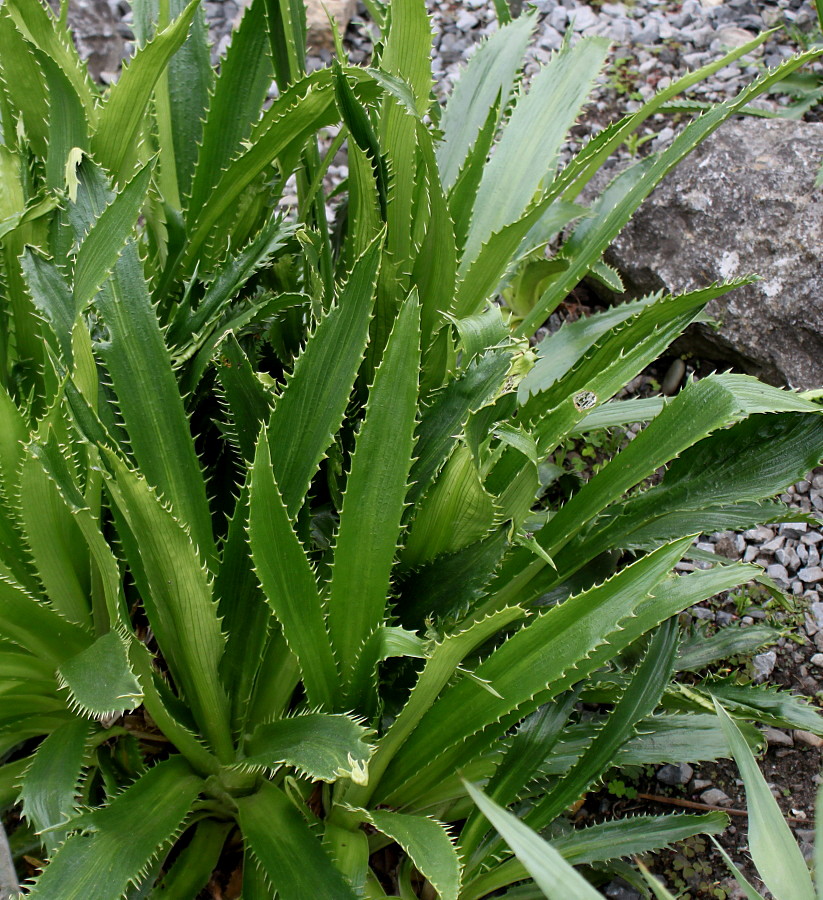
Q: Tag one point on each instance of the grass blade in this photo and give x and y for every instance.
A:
(774, 850)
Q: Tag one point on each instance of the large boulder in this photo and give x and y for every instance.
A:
(743, 202)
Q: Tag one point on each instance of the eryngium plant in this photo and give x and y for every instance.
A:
(280, 560)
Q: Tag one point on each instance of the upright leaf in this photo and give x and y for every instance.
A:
(532, 139)
(36, 21)
(100, 248)
(374, 499)
(406, 55)
(239, 91)
(288, 580)
(177, 595)
(122, 117)
(491, 73)
(287, 850)
(774, 850)
(309, 411)
(141, 373)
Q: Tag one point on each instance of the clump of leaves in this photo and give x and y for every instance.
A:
(274, 569)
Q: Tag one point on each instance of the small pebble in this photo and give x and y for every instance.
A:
(715, 797)
(763, 665)
(674, 775)
(807, 738)
(777, 738)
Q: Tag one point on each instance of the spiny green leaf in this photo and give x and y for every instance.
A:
(661, 738)
(486, 81)
(323, 747)
(106, 238)
(37, 627)
(448, 412)
(68, 121)
(640, 698)
(613, 209)
(49, 788)
(141, 373)
(287, 125)
(100, 679)
(122, 117)
(291, 856)
(375, 493)
(700, 408)
(288, 580)
(765, 703)
(428, 845)
(56, 544)
(193, 868)
(239, 91)
(310, 409)
(24, 81)
(36, 22)
(531, 139)
(177, 595)
(52, 296)
(123, 839)
(546, 656)
(456, 512)
(702, 650)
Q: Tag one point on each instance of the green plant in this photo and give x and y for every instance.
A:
(273, 569)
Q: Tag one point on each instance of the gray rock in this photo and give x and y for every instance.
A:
(788, 558)
(764, 664)
(777, 738)
(618, 890)
(778, 572)
(811, 574)
(760, 533)
(743, 202)
(715, 797)
(97, 36)
(794, 529)
(559, 18)
(466, 21)
(675, 775)
(584, 17)
(817, 660)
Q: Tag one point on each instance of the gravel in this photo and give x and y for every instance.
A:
(654, 41)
